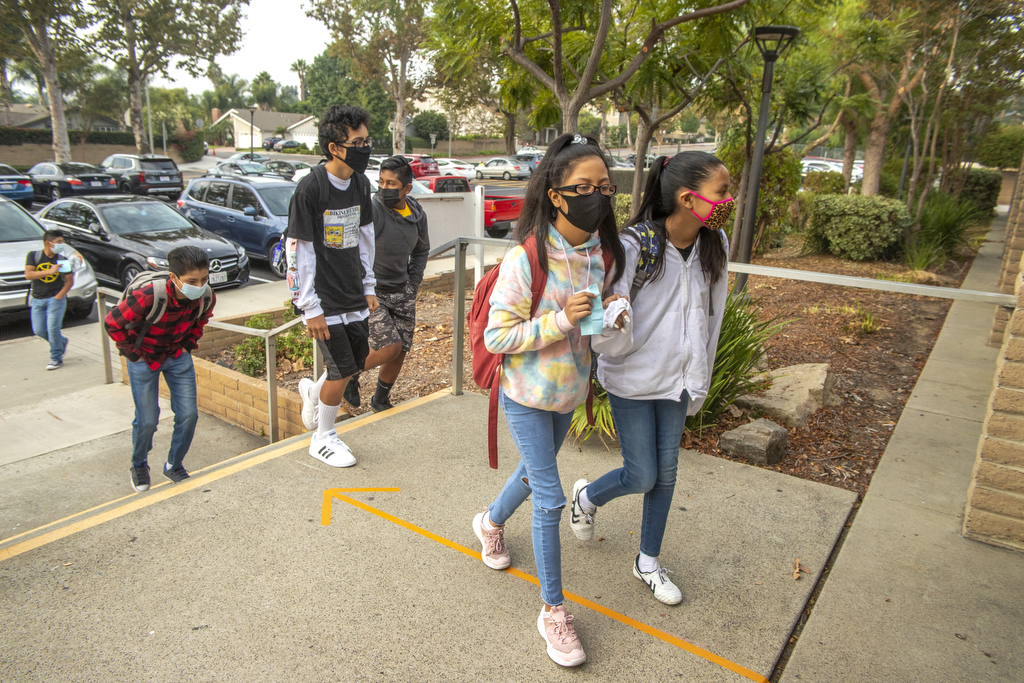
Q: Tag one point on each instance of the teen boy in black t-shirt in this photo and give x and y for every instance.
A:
(48, 294)
(331, 266)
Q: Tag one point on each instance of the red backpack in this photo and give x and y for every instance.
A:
(487, 365)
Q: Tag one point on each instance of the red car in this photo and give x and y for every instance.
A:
(423, 165)
(500, 213)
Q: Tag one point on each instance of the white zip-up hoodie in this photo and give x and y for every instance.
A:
(670, 341)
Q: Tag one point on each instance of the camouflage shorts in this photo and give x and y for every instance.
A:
(395, 321)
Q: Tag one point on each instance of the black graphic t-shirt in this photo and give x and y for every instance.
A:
(51, 284)
(334, 232)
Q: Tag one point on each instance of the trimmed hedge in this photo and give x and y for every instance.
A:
(858, 228)
(44, 136)
(825, 182)
(190, 144)
(982, 187)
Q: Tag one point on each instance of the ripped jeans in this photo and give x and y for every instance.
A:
(538, 434)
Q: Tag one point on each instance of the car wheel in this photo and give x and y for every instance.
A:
(126, 188)
(278, 267)
(507, 176)
(81, 311)
(173, 197)
(129, 272)
(497, 233)
(54, 193)
(479, 175)
(27, 204)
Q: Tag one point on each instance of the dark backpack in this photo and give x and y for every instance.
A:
(649, 250)
(159, 281)
(487, 365)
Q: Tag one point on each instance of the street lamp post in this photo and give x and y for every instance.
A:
(252, 113)
(771, 41)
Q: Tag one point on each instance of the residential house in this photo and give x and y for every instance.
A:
(299, 127)
(37, 117)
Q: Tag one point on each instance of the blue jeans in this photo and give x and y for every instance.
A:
(538, 434)
(180, 376)
(47, 318)
(650, 432)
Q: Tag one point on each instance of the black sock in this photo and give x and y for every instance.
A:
(383, 392)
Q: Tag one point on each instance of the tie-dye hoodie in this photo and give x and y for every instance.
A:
(547, 361)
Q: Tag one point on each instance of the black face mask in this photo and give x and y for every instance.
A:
(587, 212)
(389, 196)
(356, 158)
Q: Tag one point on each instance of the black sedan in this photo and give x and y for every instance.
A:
(286, 169)
(285, 145)
(52, 181)
(120, 236)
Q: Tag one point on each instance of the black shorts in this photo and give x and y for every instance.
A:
(345, 352)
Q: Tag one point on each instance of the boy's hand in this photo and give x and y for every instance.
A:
(317, 328)
(372, 303)
(579, 306)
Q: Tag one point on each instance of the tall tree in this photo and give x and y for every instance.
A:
(264, 91)
(144, 36)
(300, 67)
(46, 24)
(383, 40)
(330, 80)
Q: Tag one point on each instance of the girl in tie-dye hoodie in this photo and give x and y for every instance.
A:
(546, 372)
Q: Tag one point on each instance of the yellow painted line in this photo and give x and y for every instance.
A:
(143, 501)
(325, 520)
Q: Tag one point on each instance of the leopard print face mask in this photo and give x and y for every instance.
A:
(719, 214)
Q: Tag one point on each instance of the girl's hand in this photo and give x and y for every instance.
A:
(579, 306)
(621, 321)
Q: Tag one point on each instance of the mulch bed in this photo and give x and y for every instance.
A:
(875, 370)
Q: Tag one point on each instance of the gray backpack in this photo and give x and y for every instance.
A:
(159, 281)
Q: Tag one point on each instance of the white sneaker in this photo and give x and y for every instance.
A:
(310, 405)
(582, 522)
(330, 450)
(664, 590)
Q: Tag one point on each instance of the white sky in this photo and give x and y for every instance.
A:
(275, 34)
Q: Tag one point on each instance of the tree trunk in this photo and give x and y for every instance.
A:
(137, 120)
(873, 154)
(38, 39)
(644, 135)
(510, 132)
(604, 125)
(5, 87)
(737, 221)
(398, 144)
(629, 131)
(571, 117)
(849, 146)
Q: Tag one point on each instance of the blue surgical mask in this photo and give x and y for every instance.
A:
(191, 291)
(58, 248)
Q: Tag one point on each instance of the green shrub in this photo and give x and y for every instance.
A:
(411, 142)
(945, 221)
(888, 183)
(825, 182)
(251, 353)
(44, 136)
(294, 343)
(858, 228)
(801, 209)
(623, 208)
(604, 424)
(190, 145)
(1002, 147)
(780, 180)
(983, 187)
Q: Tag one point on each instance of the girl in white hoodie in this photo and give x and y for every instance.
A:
(658, 368)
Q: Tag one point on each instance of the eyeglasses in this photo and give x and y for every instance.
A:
(586, 189)
(356, 144)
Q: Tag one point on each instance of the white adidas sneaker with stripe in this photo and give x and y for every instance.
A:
(330, 450)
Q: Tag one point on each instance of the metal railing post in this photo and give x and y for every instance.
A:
(101, 311)
(459, 324)
(271, 344)
(318, 361)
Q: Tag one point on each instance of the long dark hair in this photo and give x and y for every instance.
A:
(539, 213)
(667, 176)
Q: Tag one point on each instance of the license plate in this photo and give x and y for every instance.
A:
(96, 183)
(512, 225)
(218, 278)
(164, 179)
(5, 186)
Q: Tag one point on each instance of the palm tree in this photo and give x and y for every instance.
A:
(264, 91)
(300, 67)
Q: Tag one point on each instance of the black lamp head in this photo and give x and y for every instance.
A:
(772, 41)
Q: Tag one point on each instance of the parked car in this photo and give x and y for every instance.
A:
(16, 186)
(256, 157)
(52, 181)
(21, 233)
(286, 169)
(616, 162)
(532, 161)
(285, 145)
(418, 186)
(440, 184)
(530, 149)
(243, 168)
(648, 160)
(123, 235)
(423, 165)
(820, 165)
(250, 211)
(269, 143)
(456, 167)
(502, 167)
(145, 174)
(500, 213)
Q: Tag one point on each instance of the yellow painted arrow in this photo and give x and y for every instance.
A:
(325, 520)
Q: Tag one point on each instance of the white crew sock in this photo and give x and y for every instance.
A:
(328, 414)
(646, 563)
(487, 523)
(315, 391)
(585, 503)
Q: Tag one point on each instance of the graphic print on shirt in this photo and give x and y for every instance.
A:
(341, 228)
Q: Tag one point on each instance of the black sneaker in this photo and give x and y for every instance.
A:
(140, 477)
(380, 406)
(179, 473)
(351, 394)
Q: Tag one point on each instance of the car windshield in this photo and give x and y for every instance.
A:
(136, 217)
(158, 165)
(78, 168)
(16, 225)
(7, 170)
(254, 168)
(278, 198)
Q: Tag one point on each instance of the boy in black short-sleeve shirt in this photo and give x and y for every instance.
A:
(330, 258)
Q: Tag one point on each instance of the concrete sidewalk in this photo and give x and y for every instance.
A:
(910, 599)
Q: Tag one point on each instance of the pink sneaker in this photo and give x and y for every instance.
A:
(494, 554)
(564, 645)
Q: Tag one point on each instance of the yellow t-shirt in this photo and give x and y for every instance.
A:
(406, 212)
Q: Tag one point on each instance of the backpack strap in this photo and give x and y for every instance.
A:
(156, 311)
(323, 182)
(538, 280)
(649, 250)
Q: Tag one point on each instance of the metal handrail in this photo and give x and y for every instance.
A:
(460, 244)
(270, 343)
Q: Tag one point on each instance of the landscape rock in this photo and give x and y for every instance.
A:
(762, 442)
(797, 391)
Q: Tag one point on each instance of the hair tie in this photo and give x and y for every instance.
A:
(578, 140)
(666, 162)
